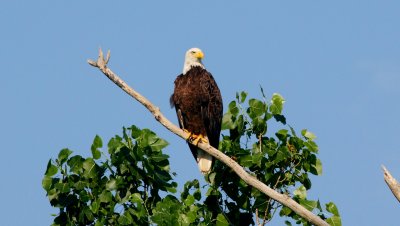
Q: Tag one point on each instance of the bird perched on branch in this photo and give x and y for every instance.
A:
(198, 104)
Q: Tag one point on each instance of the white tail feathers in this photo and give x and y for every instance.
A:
(204, 161)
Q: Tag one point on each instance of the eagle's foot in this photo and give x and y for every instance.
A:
(196, 139)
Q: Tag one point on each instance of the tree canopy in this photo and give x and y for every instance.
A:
(131, 182)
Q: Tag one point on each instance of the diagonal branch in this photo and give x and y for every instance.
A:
(250, 180)
(392, 183)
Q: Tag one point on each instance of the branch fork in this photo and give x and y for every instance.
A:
(101, 61)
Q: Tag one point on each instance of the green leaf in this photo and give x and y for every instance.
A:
(221, 220)
(84, 196)
(88, 213)
(105, 196)
(136, 198)
(232, 108)
(282, 134)
(75, 163)
(260, 202)
(243, 96)
(192, 214)
(288, 223)
(277, 102)
(47, 182)
(227, 122)
(285, 211)
(172, 188)
(189, 200)
(331, 208)
(197, 194)
(111, 184)
(246, 161)
(166, 211)
(308, 135)
(280, 118)
(125, 219)
(159, 144)
(51, 169)
(318, 167)
(159, 158)
(96, 153)
(63, 155)
(311, 145)
(282, 154)
(211, 177)
(184, 220)
(53, 195)
(62, 187)
(334, 221)
(90, 170)
(306, 182)
(80, 185)
(114, 145)
(162, 175)
(97, 143)
(300, 192)
(256, 158)
(135, 131)
(308, 204)
(256, 108)
(212, 191)
(156, 143)
(240, 124)
(98, 223)
(259, 125)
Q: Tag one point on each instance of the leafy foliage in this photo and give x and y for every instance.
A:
(283, 161)
(132, 184)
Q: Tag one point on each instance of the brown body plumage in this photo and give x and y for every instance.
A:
(198, 103)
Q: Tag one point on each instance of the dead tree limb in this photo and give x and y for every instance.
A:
(101, 63)
(392, 183)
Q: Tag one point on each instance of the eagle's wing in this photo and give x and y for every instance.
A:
(174, 102)
(212, 108)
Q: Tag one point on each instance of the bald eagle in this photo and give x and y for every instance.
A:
(198, 104)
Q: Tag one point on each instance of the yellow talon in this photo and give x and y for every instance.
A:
(196, 139)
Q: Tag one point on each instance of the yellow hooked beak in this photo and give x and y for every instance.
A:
(199, 55)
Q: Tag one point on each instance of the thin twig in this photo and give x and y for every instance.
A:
(257, 220)
(392, 183)
(250, 180)
(272, 215)
(269, 200)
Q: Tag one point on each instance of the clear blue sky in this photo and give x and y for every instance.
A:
(337, 63)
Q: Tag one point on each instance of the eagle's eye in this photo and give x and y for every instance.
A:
(193, 52)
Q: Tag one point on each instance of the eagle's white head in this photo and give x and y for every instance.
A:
(193, 58)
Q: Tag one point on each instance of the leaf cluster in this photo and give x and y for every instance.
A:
(131, 185)
(117, 191)
(281, 159)
(132, 182)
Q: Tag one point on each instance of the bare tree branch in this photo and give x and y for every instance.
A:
(250, 180)
(392, 183)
